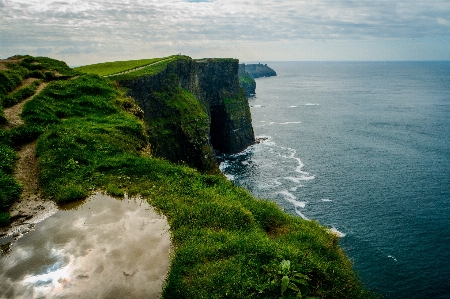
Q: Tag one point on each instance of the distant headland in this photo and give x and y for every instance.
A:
(247, 73)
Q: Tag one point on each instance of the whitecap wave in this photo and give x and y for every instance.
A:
(334, 231)
(390, 256)
(230, 177)
(301, 215)
(326, 200)
(298, 180)
(293, 199)
(290, 122)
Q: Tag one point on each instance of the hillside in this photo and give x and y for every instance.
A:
(139, 133)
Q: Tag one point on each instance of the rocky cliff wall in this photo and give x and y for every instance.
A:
(246, 81)
(193, 107)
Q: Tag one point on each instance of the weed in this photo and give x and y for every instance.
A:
(8, 158)
(289, 283)
(9, 191)
(4, 220)
(114, 190)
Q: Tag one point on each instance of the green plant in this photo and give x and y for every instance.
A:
(4, 220)
(9, 191)
(7, 158)
(20, 94)
(290, 283)
(114, 190)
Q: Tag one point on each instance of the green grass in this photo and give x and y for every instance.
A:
(20, 94)
(224, 239)
(10, 94)
(150, 70)
(110, 68)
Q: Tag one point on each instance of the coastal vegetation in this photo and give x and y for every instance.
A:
(227, 244)
(126, 70)
(19, 78)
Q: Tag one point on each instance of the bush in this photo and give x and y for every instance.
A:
(8, 158)
(114, 190)
(4, 219)
(9, 191)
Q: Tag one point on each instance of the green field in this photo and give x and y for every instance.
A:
(110, 68)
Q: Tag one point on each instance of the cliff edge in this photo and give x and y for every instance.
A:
(193, 107)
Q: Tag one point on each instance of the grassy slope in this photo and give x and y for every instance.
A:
(19, 69)
(227, 243)
(111, 68)
(150, 70)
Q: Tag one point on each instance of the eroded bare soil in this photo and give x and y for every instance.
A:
(31, 208)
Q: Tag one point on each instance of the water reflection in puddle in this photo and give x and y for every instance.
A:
(103, 248)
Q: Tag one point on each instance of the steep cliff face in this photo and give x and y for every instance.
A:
(246, 81)
(193, 107)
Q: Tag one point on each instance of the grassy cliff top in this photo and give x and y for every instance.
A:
(111, 68)
(227, 244)
(127, 70)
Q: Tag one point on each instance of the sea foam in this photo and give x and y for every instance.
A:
(334, 231)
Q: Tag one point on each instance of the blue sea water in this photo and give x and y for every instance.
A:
(363, 148)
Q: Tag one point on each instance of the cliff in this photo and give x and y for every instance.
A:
(193, 107)
(259, 70)
(246, 81)
(226, 243)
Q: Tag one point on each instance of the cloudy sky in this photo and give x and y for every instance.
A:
(82, 32)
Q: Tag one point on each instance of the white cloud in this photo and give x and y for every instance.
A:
(188, 25)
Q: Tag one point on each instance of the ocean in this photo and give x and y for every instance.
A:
(364, 149)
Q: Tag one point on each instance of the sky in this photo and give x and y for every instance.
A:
(84, 32)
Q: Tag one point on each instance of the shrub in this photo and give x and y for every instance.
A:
(9, 191)
(7, 158)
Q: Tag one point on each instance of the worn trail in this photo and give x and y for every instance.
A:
(12, 114)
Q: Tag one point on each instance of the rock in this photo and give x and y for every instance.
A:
(192, 108)
(246, 81)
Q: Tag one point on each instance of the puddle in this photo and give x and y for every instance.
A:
(103, 248)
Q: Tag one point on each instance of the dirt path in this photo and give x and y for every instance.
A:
(31, 208)
(12, 114)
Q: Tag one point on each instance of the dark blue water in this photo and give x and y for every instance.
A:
(364, 148)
